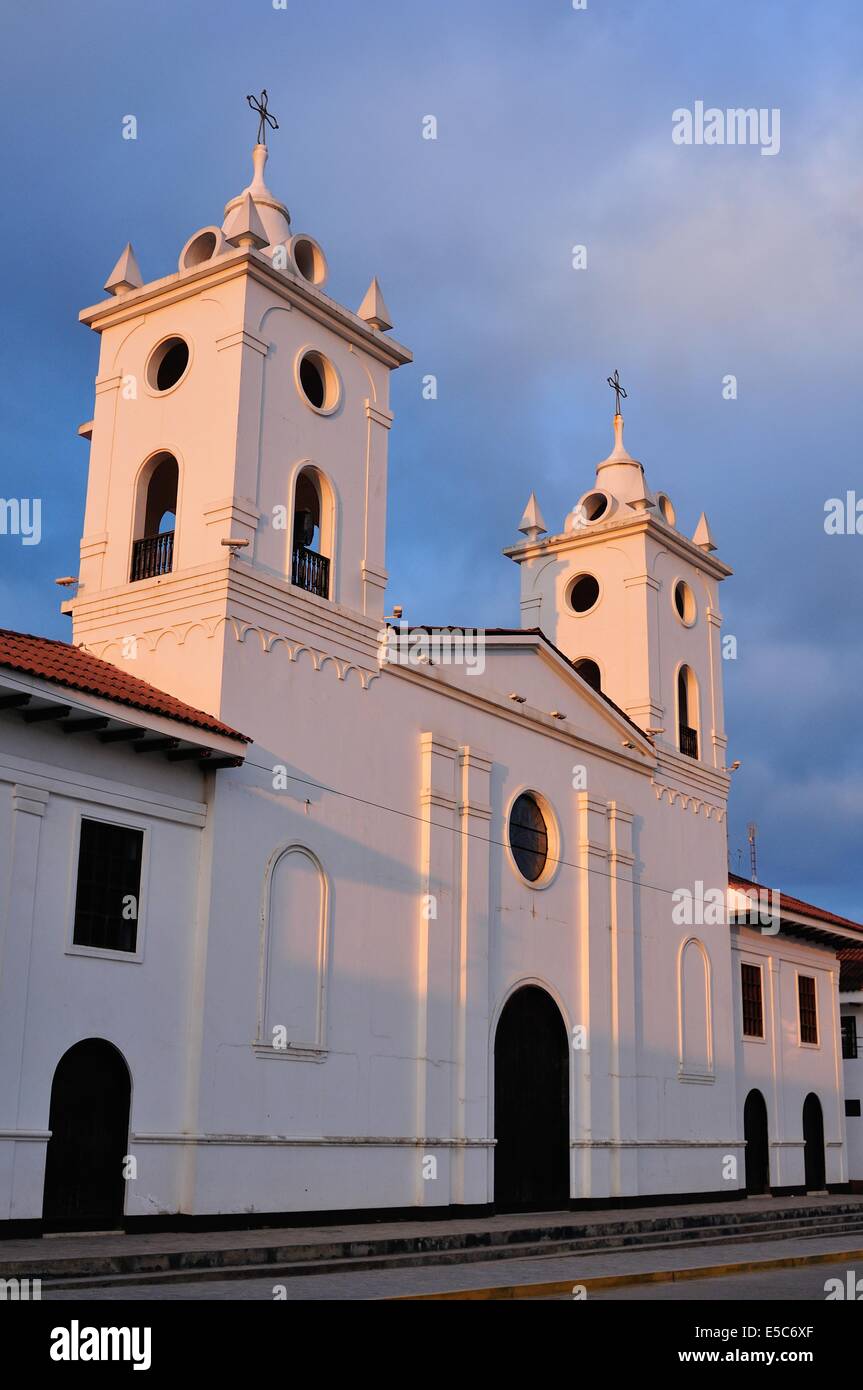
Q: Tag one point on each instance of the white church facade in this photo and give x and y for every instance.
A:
(308, 911)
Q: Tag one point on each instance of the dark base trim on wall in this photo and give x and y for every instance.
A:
(657, 1199)
(836, 1189)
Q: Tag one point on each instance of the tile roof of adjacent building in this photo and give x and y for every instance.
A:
(850, 969)
(818, 914)
(77, 669)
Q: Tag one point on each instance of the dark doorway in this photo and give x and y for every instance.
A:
(531, 1105)
(813, 1151)
(757, 1150)
(89, 1123)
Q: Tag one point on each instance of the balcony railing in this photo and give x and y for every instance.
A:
(311, 571)
(688, 741)
(153, 555)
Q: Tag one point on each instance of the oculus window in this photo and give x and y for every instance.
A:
(528, 837)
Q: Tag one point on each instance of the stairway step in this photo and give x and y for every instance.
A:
(286, 1269)
(476, 1243)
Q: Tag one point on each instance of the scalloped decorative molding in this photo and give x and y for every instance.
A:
(687, 802)
(241, 630)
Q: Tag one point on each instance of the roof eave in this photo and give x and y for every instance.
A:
(209, 748)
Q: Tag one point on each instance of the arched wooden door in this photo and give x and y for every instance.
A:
(757, 1146)
(813, 1138)
(89, 1123)
(531, 1104)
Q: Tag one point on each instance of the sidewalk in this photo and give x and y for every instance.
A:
(124, 1255)
(81, 1246)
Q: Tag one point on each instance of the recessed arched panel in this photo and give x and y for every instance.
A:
(295, 951)
(694, 1006)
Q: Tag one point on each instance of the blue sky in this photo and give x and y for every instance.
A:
(554, 129)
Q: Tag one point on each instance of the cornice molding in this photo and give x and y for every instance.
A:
(245, 263)
(642, 523)
(688, 802)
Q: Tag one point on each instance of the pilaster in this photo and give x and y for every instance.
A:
(591, 1065)
(472, 1166)
(436, 953)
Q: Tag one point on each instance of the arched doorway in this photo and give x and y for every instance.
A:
(531, 1104)
(813, 1144)
(89, 1123)
(757, 1149)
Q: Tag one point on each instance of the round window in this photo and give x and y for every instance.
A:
(665, 507)
(201, 249)
(595, 505)
(309, 259)
(528, 837)
(684, 602)
(318, 381)
(583, 593)
(167, 364)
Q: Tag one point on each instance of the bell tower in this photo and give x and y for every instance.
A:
(634, 604)
(238, 459)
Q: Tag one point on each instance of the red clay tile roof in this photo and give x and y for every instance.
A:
(850, 968)
(76, 669)
(796, 904)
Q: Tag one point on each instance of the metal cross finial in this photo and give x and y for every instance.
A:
(614, 383)
(265, 118)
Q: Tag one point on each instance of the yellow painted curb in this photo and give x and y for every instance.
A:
(618, 1281)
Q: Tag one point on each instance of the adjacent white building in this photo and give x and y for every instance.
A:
(307, 910)
(851, 1006)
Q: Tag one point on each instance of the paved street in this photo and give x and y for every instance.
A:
(804, 1285)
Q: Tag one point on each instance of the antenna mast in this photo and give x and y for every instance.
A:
(751, 832)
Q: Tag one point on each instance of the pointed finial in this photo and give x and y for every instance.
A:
(373, 308)
(244, 227)
(703, 537)
(126, 275)
(619, 450)
(532, 524)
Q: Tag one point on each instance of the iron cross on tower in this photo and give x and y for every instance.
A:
(265, 118)
(614, 383)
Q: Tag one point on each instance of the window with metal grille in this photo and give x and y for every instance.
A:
(849, 1036)
(808, 1011)
(109, 885)
(753, 1008)
(528, 837)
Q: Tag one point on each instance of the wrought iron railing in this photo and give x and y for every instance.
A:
(311, 571)
(153, 555)
(688, 741)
